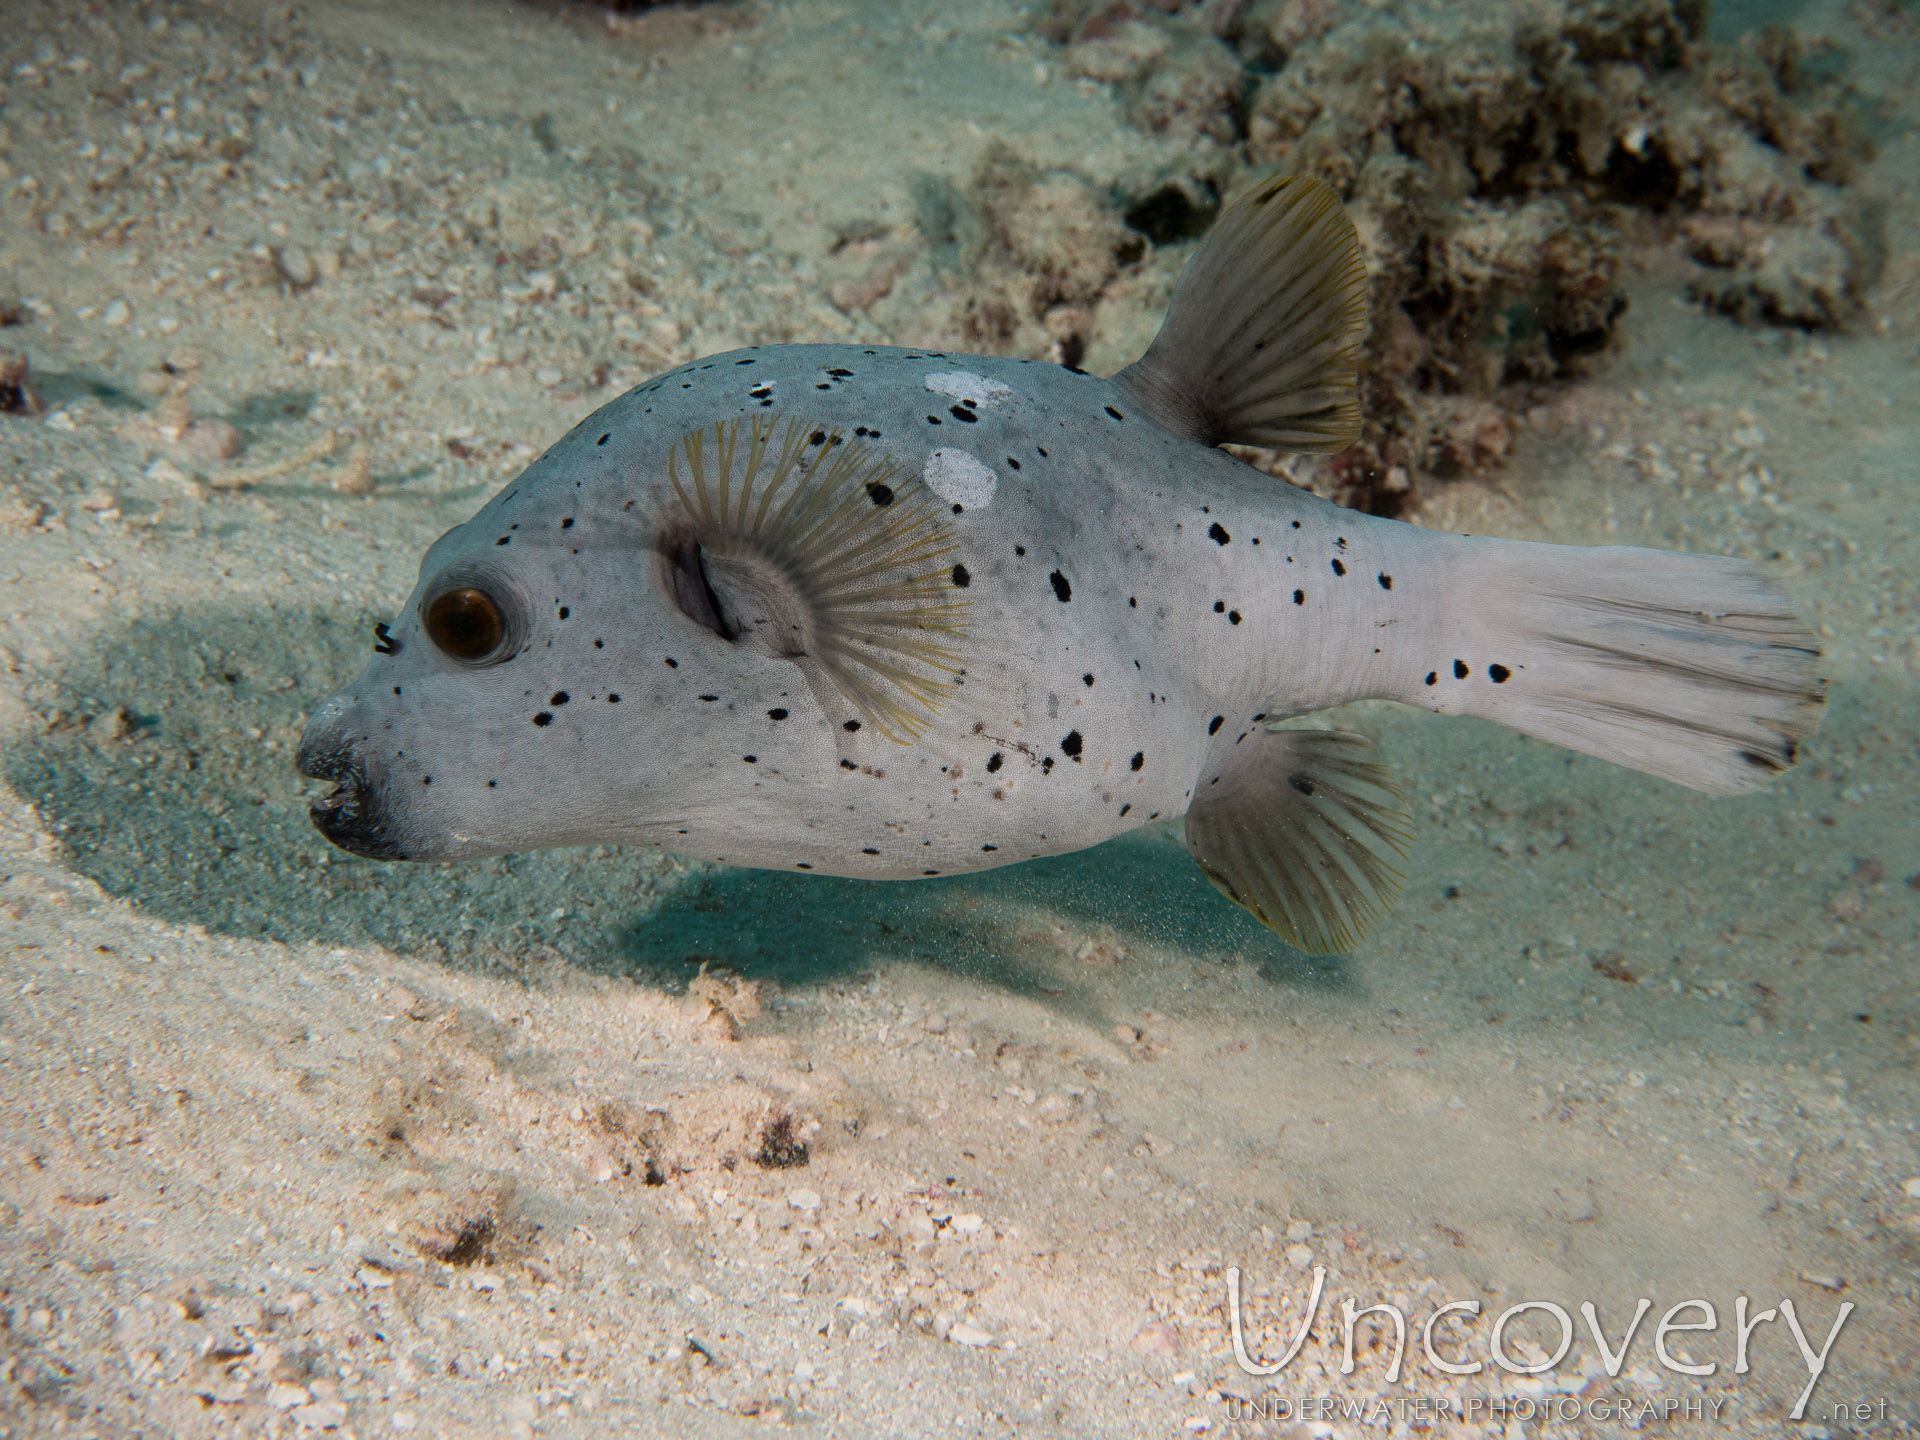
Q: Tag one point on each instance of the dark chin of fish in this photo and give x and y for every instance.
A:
(351, 815)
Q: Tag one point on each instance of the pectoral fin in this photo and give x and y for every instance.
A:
(1305, 830)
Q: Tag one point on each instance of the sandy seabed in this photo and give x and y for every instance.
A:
(599, 1142)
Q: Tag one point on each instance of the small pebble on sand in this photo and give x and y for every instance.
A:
(296, 266)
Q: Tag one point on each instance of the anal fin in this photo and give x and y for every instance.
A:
(1305, 830)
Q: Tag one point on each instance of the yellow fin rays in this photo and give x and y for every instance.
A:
(863, 546)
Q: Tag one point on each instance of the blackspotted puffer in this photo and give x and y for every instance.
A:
(895, 613)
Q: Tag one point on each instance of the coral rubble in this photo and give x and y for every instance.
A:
(1501, 162)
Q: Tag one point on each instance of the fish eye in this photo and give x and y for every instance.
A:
(467, 624)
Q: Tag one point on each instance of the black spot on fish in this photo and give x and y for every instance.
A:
(1072, 744)
(880, 494)
(994, 761)
(1499, 674)
(851, 726)
(1338, 568)
(848, 765)
(1139, 759)
(1386, 581)
(504, 540)
(1299, 597)
(612, 699)
(1019, 549)
(961, 577)
(1219, 607)
(567, 524)
(1126, 807)
(989, 847)
(960, 412)
(1087, 680)
(1302, 783)
(560, 697)
(564, 612)
(1046, 765)
(737, 362)
(543, 718)
(801, 864)
(1459, 669)
(751, 759)
(604, 438)
(672, 664)
(1234, 616)
(933, 419)
(869, 850)
(837, 371)
(1062, 590)
(426, 779)
(818, 437)
(709, 698)
(1015, 464)
(1218, 533)
(1432, 676)
(1213, 725)
(1113, 412)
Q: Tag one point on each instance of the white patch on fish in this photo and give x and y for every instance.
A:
(965, 386)
(960, 479)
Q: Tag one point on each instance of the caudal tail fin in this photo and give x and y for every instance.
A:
(1690, 667)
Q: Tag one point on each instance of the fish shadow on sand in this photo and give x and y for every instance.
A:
(162, 758)
(1043, 925)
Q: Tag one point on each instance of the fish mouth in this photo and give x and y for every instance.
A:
(352, 815)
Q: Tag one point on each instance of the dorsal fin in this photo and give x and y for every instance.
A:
(1261, 343)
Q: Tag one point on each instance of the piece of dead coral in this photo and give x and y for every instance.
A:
(16, 395)
(721, 1004)
(1029, 253)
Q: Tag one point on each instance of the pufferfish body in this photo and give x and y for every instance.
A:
(894, 613)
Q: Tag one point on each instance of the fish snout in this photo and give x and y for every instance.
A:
(353, 815)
